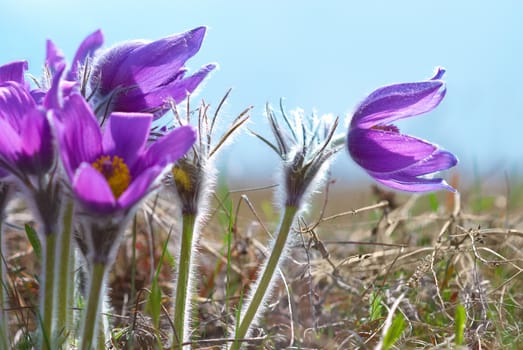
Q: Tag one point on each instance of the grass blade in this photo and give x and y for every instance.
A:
(34, 240)
(394, 332)
(460, 318)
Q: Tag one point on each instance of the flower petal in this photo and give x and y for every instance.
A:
(10, 143)
(177, 90)
(54, 57)
(106, 71)
(398, 101)
(126, 135)
(78, 133)
(37, 153)
(13, 71)
(169, 148)
(53, 95)
(412, 184)
(155, 63)
(38, 95)
(440, 160)
(384, 151)
(15, 103)
(147, 65)
(438, 73)
(86, 49)
(92, 189)
(139, 187)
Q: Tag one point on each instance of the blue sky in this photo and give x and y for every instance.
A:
(324, 56)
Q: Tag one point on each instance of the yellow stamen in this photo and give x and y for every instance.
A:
(115, 172)
(181, 178)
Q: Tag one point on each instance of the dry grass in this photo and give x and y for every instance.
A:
(355, 255)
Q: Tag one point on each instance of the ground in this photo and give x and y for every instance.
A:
(366, 268)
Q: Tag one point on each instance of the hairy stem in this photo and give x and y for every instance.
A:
(65, 264)
(47, 310)
(264, 279)
(183, 294)
(4, 321)
(92, 311)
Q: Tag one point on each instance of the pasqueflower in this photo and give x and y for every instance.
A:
(10, 72)
(139, 76)
(26, 141)
(111, 172)
(396, 160)
(27, 158)
(25, 135)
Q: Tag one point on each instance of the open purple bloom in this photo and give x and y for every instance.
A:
(391, 158)
(140, 77)
(113, 171)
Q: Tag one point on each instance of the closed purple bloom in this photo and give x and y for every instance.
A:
(26, 142)
(113, 171)
(27, 151)
(141, 77)
(393, 159)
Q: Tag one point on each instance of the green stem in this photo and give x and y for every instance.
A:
(47, 289)
(101, 333)
(130, 344)
(88, 339)
(266, 276)
(184, 269)
(64, 266)
(71, 289)
(4, 321)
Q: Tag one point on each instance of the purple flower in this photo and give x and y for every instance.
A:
(140, 77)
(391, 158)
(113, 171)
(13, 71)
(26, 142)
(27, 152)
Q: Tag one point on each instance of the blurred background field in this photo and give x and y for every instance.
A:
(356, 253)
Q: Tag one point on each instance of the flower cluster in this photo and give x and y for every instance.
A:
(88, 127)
(94, 138)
